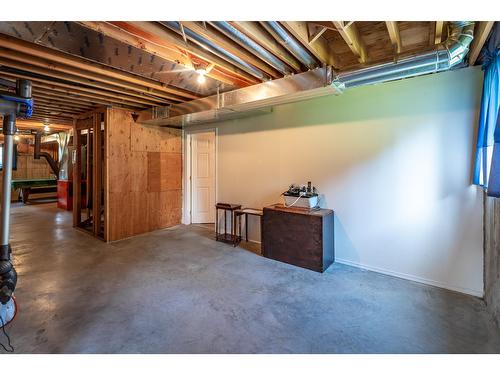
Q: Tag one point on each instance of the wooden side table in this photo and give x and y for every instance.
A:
(246, 212)
(226, 237)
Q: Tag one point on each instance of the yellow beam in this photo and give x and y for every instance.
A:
(481, 33)
(393, 29)
(351, 36)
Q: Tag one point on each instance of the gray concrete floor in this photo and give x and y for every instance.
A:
(179, 291)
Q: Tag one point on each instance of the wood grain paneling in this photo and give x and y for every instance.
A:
(145, 173)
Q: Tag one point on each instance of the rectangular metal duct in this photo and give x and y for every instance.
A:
(248, 101)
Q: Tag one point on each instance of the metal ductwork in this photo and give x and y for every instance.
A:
(314, 83)
(287, 41)
(448, 54)
(215, 49)
(250, 45)
(252, 100)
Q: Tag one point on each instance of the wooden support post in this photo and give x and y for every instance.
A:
(77, 176)
(96, 174)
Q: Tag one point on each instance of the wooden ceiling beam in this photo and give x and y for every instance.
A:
(481, 33)
(159, 35)
(438, 34)
(46, 68)
(45, 106)
(58, 58)
(315, 32)
(232, 47)
(351, 36)
(53, 92)
(30, 124)
(41, 98)
(85, 91)
(393, 29)
(255, 32)
(319, 49)
(166, 51)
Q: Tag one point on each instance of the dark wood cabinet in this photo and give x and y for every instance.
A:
(299, 236)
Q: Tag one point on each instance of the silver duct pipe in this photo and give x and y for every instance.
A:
(216, 50)
(316, 82)
(449, 53)
(281, 35)
(250, 45)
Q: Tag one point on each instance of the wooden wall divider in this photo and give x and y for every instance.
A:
(137, 168)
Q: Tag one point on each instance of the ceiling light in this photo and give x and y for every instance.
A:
(17, 138)
(46, 128)
(201, 75)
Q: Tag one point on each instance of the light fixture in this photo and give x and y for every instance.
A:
(17, 138)
(201, 76)
(46, 128)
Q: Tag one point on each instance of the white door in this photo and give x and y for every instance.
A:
(203, 177)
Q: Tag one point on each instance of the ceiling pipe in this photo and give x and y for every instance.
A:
(287, 41)
(215, 49)
(314, 83)
(449, 53)
(251, 46)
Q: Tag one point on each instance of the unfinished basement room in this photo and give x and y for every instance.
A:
(237, 187)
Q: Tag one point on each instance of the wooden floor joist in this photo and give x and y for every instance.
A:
(17, 61)
(88, 92)
(57, 57)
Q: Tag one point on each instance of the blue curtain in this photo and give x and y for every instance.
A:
(490, 104)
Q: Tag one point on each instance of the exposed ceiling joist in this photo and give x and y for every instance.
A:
(351, 36)
(231, 47)
(30, 124)
(438, 34)
(320, 48)
(59, 58)
(167, 51)
(254, 31)
(84, 91)
(315, 32)
(157, 34)
(393, 29)
(481, 33)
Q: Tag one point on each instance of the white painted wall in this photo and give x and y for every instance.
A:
(393, 160)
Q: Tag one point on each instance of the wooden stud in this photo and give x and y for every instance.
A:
(315, 32)
(77, 174)
(97, 174)
(392, 28)
(351, 36)
(481, 33)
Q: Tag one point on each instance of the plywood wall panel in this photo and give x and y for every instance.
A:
(145, 172)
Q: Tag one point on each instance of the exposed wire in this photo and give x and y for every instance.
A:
(11, 348)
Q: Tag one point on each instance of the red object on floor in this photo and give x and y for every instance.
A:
(65, 194)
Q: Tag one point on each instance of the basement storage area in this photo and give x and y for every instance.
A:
(250, 187)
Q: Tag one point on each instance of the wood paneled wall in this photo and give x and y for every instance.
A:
(144, 176)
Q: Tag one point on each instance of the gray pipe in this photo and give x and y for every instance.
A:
(251, 46)
(216, 50)
(448, 54)
(7, 178)
(281, 35)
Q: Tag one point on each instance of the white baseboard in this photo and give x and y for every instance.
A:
(417, 279)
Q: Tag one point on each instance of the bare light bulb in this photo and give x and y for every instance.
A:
(201, 76)
(46, 128)
(17, 138)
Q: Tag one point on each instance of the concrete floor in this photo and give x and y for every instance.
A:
(179, 291)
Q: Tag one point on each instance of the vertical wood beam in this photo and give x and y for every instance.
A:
(97, 175)
(438, 35)
(77, 176)
(393, 29)
(351, 36)
(481, 33)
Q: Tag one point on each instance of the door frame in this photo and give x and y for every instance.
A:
(186, 180)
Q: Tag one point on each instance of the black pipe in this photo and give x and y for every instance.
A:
(38, 153)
